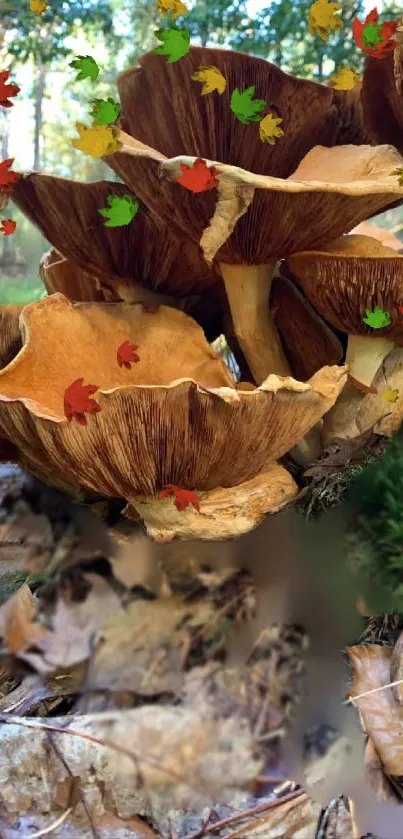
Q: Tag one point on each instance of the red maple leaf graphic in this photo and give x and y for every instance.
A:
(8, 226)
(126, 355)
(7, 177)
(77, 402)
(149, 308)
(182, 497)
(386, 30)
(7, 90)
(199, 177)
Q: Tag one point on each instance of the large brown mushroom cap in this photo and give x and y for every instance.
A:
(350, 275)
(173, 418)
(382, 95)
(10, 333)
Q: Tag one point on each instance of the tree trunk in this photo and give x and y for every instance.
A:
(39, 95)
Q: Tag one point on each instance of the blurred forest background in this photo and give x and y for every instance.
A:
(36, 132)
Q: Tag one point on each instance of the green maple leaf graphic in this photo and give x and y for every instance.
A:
(245, 108)
(87, 66)
(371, 34)
(377, 318)
(175, 43)
(399, 173)
(121, 210)
(105, 111)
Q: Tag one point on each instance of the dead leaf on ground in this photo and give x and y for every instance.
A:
(74, 627)
(16, 621)
(396, 669)
(381, 716)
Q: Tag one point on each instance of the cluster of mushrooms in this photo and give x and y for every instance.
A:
(266, 259)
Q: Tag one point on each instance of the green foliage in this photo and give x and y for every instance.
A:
(216, 22)
(376, 533)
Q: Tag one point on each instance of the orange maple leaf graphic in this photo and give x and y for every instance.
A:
(7, 226)
(199, 177)
(126, 355)
(182, 497)
(7, 90)
(77, 401)
(6, 176)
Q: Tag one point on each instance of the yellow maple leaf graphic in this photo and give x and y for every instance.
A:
(176, 7)
(390, 394)
(211, 79)
(97, 141)
(345, 79)
(269, 130)
(38, 6)
(323, 18)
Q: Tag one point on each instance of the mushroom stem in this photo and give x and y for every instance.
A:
(309, 448)
(248, 291)
(365, 355)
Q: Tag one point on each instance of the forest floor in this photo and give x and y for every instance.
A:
(160, 691)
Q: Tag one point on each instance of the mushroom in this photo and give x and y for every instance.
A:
(168, 428)
(385, 237)
(381, 95)
(263, 200)
(345, 280)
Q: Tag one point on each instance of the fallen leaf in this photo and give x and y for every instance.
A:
(345, 79)
(381, 716)
(396, 669)
(97, 141)
(211, 79)
(126, 355)
(16, 621)
(7, 90)
(374, 38)
(269, 130)
(323, 18)
(175, 7)
(199, 177)
(6, 176)
(8, 226)
(77, 402)
(245, 107)
(182, 497)
(390, 394)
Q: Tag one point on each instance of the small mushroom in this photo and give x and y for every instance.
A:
(172, 419)
(347, 279)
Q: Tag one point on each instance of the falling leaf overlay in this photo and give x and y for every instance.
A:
(377, 318)
(245, 107)
(97, 141)
(390, 394)
(105, 111)
(77, 401)
(175, 43)
(126, 355)
(373, 37)
(269, 130)
(211, 78)
(182, 497)
(121, 210)
(7, 90)
(323, 18)
(7, 178)
(87, 66)
(199, 177)
(7, 226)
(176, 7)
(38, 6)
(345, 79)
(399, 173)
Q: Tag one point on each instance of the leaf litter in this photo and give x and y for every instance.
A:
(152, 690)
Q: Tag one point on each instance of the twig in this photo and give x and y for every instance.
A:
(374, 690)
(63, 761)
(46, 830)
(244, 814)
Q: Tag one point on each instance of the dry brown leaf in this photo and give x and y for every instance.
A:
(396, 669)
(135, 827)
(381, 716)
(74, 628)
(16, 621)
